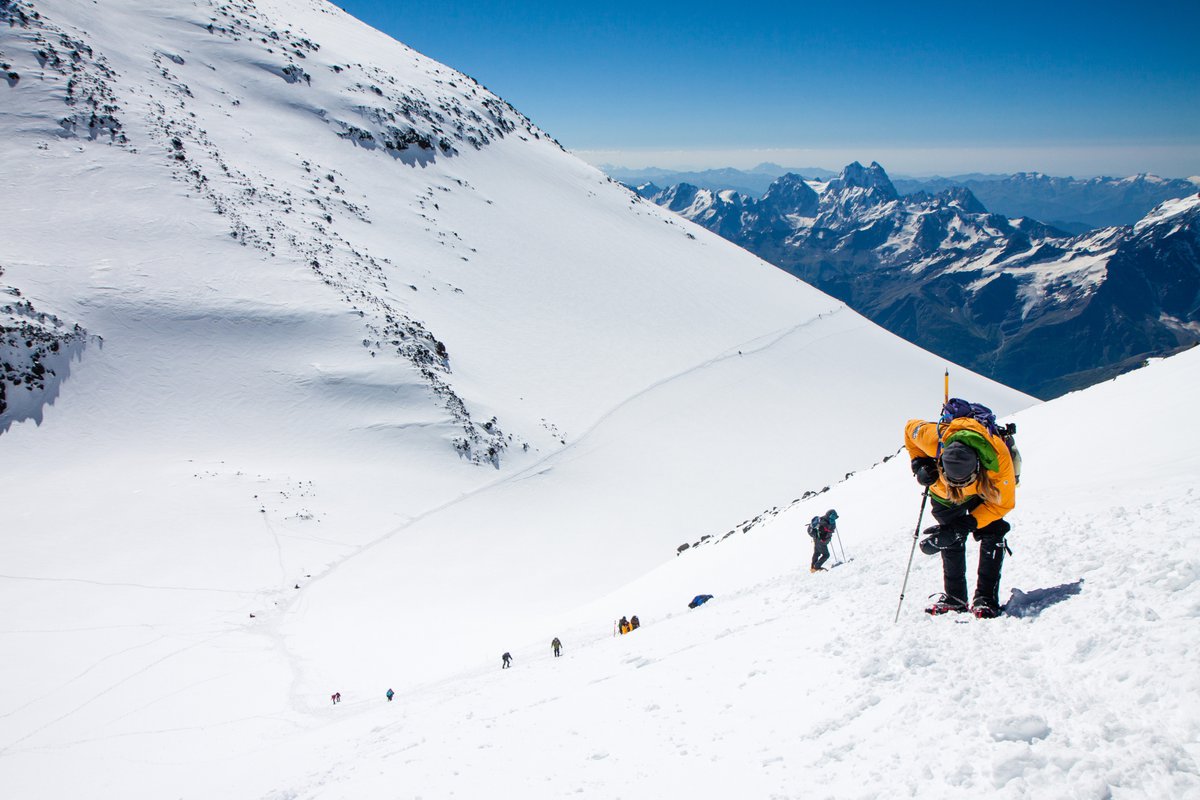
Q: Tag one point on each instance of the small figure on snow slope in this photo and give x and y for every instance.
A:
(556, 646)
(505, 661)
(969, 473)
(821, 530)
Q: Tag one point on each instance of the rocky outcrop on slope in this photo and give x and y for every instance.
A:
(168, 107)
(36, 350)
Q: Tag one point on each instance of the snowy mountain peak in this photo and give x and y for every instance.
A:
(856, 176)
(791, 191)
(963, 198)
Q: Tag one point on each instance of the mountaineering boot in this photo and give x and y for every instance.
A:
(816, 569)
(984, 608)
(946, 604)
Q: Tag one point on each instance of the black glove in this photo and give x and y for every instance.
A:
(925, 469)
(943, 537)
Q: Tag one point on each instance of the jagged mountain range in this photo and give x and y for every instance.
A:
(1074, 205)
(1019, 300)
(753, 181)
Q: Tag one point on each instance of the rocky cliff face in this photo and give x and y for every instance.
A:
(1015, 299)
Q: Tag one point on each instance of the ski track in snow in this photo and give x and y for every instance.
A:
(543, 464)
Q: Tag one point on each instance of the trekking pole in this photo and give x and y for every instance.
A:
(842, 546)
(924, 500)
(911, 553)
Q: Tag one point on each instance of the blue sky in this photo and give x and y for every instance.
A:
(1064, 88)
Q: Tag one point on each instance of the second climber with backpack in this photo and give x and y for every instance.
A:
(821, 529)
(965, 463)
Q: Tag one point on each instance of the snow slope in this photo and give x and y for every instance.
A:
(370, 378)
(789, 684)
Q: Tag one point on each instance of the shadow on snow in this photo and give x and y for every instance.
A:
(1031, 604)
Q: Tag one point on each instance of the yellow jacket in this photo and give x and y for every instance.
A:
(922, 439)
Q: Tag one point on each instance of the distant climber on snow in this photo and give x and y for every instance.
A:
(623, 626)
(556, 646)
(965, 463)
(634, 623)
(390, 695)
(821, 530)
(505, 661)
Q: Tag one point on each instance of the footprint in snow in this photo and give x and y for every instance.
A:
(1028, 729)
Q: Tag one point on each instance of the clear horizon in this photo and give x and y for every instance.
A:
(916, 162)
(1076, 88)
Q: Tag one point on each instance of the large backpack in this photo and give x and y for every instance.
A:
(956, 408)
(817, 530)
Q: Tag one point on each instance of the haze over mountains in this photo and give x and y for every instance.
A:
(326, 370)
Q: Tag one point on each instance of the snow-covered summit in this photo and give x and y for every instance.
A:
(856, 176)
(1168, 209)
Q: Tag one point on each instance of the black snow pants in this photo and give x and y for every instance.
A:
(820, 552)
(991, 559)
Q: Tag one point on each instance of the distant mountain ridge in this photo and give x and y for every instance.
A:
(1071, 203)
(1021, 301)
(753, 181)
(1075, 205)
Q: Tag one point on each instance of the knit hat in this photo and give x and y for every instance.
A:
(960, 464)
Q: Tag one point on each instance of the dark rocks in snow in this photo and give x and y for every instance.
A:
(89, 85)
(294, 74)
(17, 13)
(36, 349)
(293, 219)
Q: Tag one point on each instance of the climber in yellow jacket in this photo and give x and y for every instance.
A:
(969, 473)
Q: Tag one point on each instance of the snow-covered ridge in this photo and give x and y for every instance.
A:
(1167, 210)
